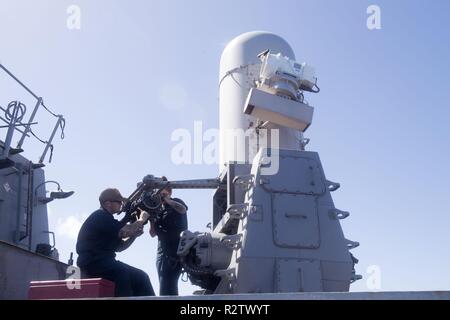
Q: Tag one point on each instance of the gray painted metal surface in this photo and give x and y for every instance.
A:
(18, 201)
(290, 243)
(19, 266)
(268, 107)
(280, 232)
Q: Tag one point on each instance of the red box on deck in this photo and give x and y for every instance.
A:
(67, 289)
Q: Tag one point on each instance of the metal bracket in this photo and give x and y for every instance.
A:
(332, 186)
(304, 142)
(354, 260)
(229, 280)
(355, 277)
(244, 180)
(230, 274)
(238, 211)
(232, 216)
(352, 244)
(187, 241)
(338, 214)
(233, 241)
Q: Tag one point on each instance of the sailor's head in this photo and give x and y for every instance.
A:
(111, 200)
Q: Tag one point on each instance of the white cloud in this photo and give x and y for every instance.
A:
(68, 227)
(173, 96)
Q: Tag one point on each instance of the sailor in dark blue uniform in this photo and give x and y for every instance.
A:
(168, 226)
(101, 236)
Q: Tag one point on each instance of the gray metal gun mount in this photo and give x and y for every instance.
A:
(271, 232)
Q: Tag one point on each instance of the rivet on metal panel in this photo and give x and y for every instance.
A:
(265, 161)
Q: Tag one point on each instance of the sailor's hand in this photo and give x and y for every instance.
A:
(139, 229)
(144, 216)
(165, 199)
(165, 195)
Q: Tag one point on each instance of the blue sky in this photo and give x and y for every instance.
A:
(138, 70)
